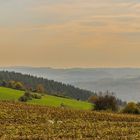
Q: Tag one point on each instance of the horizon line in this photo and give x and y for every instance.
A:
(113, 67)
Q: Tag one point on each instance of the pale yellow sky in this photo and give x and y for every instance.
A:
(70, 33)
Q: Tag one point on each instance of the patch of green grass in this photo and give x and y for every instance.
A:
(10, 94)
(48, 100)
(57, 101)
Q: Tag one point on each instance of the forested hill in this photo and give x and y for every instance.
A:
(50, 86)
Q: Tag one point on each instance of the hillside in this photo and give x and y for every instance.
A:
(125, 82)
(22, 121)
(50, 86)
(47, 100)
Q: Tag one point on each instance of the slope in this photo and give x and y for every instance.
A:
(47, 100)
(51, 87)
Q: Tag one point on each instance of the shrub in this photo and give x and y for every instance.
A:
(131, 108)
(106, 102)
(19, 86)
(23, 98)
(28, 96)
(15, 85)
(36, 96)
(4, 83)
(40, 88)
(11, 84)
(93, 99)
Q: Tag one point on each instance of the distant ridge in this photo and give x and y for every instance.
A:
(125, 82)
(51, 87)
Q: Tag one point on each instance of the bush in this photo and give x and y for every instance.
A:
(93, 99)
(40, 88)
(28, 96)
(23, 98)
(36, 96)
(131, 108)
(15, 85)
(106, 102)
(19, 86)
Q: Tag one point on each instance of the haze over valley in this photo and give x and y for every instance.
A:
(124, 82)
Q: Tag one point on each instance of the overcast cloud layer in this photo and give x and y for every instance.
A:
(70, 33)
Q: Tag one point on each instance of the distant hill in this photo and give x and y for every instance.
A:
(125, 82)
(51, 87)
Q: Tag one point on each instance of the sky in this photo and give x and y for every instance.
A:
(70, 33)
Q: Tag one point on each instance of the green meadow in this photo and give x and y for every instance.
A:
(47, 100)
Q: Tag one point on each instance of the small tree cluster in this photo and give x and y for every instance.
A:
(104, 102)
(13, 84)
(131, 108)
(29, 96)
(39, 89)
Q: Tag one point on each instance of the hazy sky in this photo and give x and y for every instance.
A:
(70, 33)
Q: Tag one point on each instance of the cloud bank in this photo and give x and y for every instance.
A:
(70, 33)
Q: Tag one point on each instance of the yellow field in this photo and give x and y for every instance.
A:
(24, 121)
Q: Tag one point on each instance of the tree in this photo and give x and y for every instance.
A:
(105, 102)
(19, 86)
(131, 108)
(3, 83)
(11, 84)
(93, 99)
(40, 88)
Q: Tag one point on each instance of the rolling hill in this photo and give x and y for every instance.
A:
(47, 100)
(50, 86)
(125, 82)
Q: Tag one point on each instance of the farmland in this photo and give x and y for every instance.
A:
(48, 100)
(24, 121)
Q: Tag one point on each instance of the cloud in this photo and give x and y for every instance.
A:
(93, 30)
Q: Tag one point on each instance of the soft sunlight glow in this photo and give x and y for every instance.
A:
(70, 33)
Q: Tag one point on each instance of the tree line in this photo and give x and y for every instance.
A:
(33, 83)
(101, 101)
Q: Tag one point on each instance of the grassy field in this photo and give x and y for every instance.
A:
(20, 121)
(10, 94)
